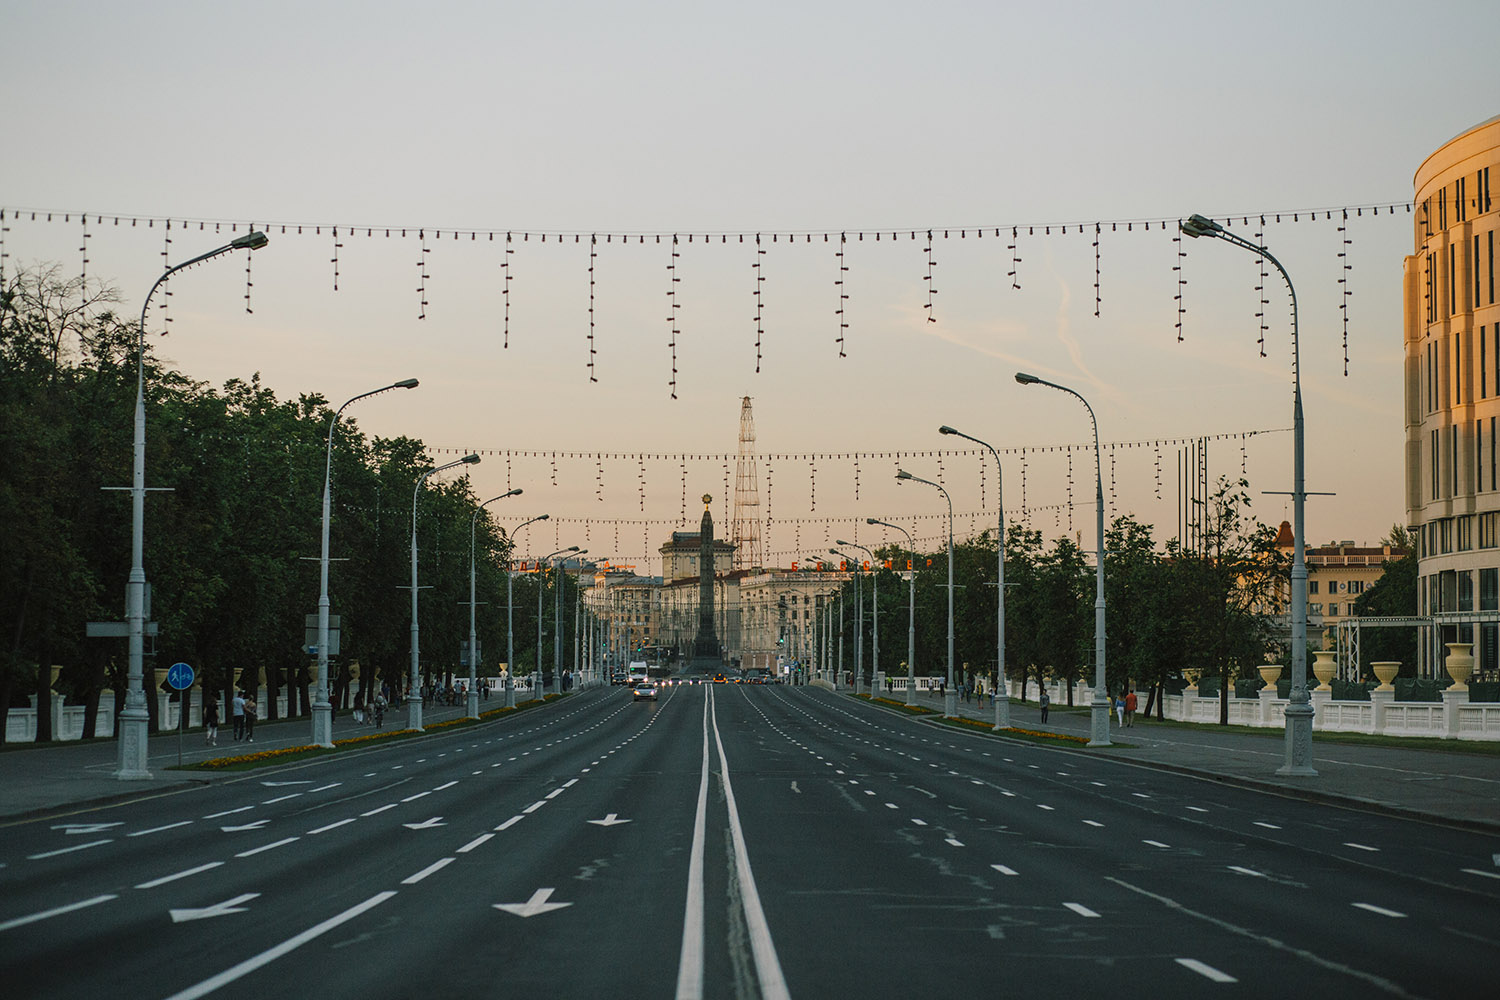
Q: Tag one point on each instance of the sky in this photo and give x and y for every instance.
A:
(1007, 131)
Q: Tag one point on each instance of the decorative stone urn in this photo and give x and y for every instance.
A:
(1459, 664)
(1192, 675)
(1324, 668)
(1270, 673)
(1385, 672)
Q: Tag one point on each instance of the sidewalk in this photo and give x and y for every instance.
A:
(1442, 785)
(42, 777)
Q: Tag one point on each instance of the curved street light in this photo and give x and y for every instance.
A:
(911, 612)
(414, 696)
(510, 615)
(1299, 713)
(874, 614)
(950, 696)
(541, 579)
(557, 624)
(322, 710)
(473, 657)
(1002, 687)
(134, 718)
(1099, 709)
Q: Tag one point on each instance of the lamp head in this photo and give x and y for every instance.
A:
(406, 383)
(571, 548)
(1026, 379)
(470, 460)
(872, 520)
(250, 241)
(513, 493)
(543, 517)
(841, 542)
(1197, 225)
(945, 429)
(903, 474)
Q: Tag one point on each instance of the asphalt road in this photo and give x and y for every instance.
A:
(733, 841)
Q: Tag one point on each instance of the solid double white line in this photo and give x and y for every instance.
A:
(762, 948)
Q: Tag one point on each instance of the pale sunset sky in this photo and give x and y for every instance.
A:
(1018, 135)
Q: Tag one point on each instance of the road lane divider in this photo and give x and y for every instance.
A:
(56, 911)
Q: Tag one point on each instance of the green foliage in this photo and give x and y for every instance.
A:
(231, 552)
(1393, 595)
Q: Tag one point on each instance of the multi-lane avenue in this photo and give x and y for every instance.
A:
(737, 841)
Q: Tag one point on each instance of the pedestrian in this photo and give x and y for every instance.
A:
(379, 709)
(249, 720)
(1130, 705)
(359, 709)
(1044, 701)
(211, 721)
(237, 714)
(1120, 709)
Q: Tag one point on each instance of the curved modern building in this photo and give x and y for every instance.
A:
(1453, 396)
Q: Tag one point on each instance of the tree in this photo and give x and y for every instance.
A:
(1394, 595)
(1226, 586)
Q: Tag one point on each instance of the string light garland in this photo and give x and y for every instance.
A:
(672, 307)
(1015, 259)
(759, 280)
(838, 285)
(1344, 269)
(593, 259)
(83, 251)
(422, 274)
(1260, 289)
(505, 290)
(1181, 278)
(1097, 300)
(337, 246)
(931, 288)
(166, 286)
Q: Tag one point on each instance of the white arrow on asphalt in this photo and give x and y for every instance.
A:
(610, 820)
(248, 826)
(536, 904)
(73, 828)
(426, 824)
(217, 910)
(279, 784)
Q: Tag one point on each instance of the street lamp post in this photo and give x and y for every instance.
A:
(133, 718)
(1099, 709)
(414, 696)
(322, 711)
(874, 612)
(557, 625)
(1299, 712)
(473, 699)
(1002, 688)
(541, 579)
(859, 618)
(950, 696)
(510, 617)
(911, 612)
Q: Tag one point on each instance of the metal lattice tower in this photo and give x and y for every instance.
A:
(746, 534)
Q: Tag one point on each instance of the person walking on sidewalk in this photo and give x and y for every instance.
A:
(211, 720)
(237, 714)
(1044, 701)
(249, 720)
(1130, 705)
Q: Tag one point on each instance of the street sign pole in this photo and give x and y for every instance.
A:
(180, 679)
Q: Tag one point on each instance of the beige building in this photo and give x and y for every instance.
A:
(1452, 331)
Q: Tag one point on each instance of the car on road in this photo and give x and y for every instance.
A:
(644, 690)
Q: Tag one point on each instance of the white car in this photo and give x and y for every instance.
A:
(644, 690)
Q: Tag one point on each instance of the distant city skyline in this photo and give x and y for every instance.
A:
(819, 120)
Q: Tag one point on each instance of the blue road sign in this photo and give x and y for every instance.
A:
(180, 676)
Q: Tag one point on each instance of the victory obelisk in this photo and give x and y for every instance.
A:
(707, 653)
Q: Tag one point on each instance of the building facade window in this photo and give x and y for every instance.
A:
(1445, 535)
(1465, 525)
(1312, 587)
